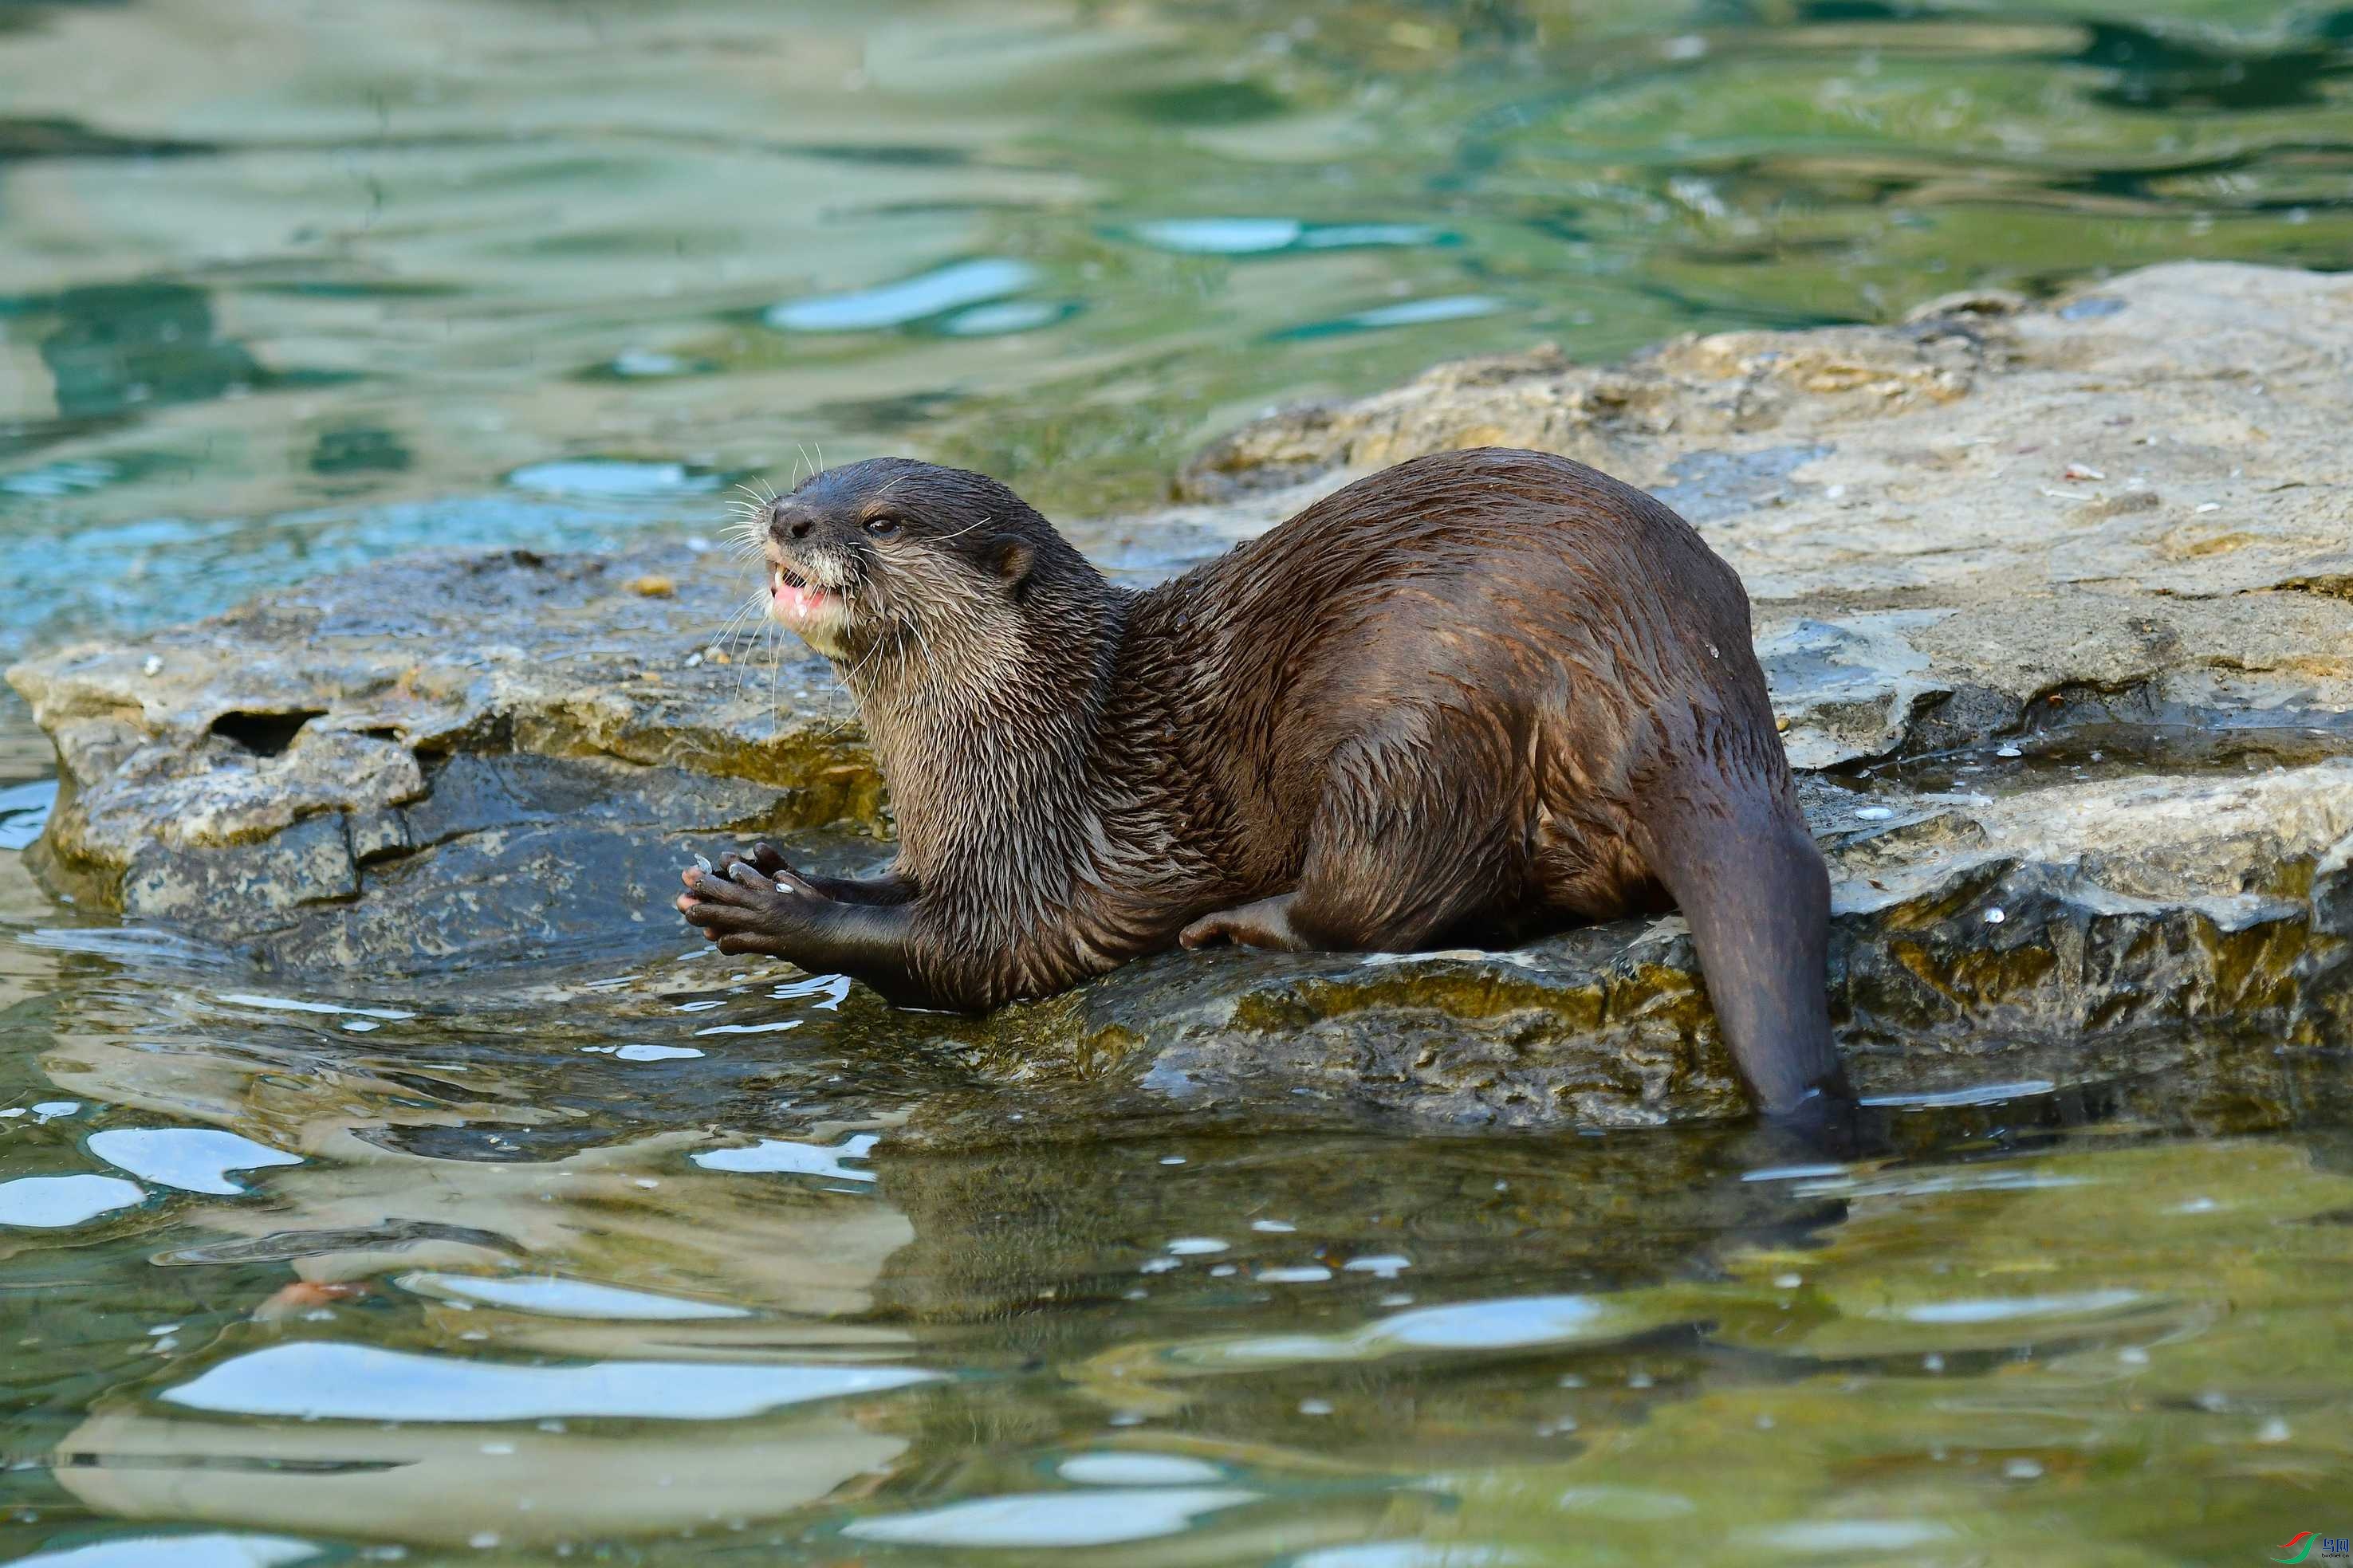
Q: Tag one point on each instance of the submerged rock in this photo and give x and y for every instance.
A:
(2072, 583)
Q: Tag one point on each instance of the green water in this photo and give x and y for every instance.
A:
(287, 288)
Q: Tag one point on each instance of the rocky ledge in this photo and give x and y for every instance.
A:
(2056, 602)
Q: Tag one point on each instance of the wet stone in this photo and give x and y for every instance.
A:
(2049, 601)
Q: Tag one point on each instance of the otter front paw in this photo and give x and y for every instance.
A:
(749, 910)
(765, 858)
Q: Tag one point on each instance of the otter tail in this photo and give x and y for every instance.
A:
(1744, 871)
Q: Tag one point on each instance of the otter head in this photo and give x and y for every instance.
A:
(891, 559)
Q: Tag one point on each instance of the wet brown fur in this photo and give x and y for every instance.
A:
(1480, 694)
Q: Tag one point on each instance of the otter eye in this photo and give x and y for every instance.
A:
(882, 527)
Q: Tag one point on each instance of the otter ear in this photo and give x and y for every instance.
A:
(1014, 559)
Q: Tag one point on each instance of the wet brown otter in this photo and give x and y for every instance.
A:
(1471, 697)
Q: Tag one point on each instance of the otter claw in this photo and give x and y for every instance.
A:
(704, 862)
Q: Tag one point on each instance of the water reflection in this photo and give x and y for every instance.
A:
(57, 1203)
(539, 1486)
(189, 1159)
(1273, 236)
(24, 811)
(111, 348)
(610, 476)
(321, 1380)
(1409, 313)
(552, 1296)
(183, 1550)
(916, 298)
(1104, 1518)
(962, 1323)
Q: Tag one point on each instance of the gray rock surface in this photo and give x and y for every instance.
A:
(2110, 538)
(435, 760)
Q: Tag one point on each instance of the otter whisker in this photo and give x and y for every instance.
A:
(846, 682)
(769, 634)
(775, 701)
(742, 665)
(728, 623)
(968, 528)
(762, 633)
(930, 663)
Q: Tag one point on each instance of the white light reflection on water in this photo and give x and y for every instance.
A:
(782, 1156)
(1052, 1519)
(831, 987)
(1134, 1469)
(24, 811)
(610, 476)
(1269, 236)
(295, 1004)
(209, 1551)
(1975, 1094)
(1510, 1323)
(910, 300)
(642, 1053)
(1403, 1554)
(1005, 317)
(552, 1296)
(2008, 1309)
(331, 1381)
(192, 1159)
(1926, 1184)
(55, 1203)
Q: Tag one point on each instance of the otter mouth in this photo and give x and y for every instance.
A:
(818, 612)
(797, 598)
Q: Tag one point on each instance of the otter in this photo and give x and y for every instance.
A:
(1474, 697)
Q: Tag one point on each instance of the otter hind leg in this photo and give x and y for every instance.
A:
(1413, 839)
(1409, 841)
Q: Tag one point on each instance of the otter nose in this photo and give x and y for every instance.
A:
(799, 530)
(793, 523)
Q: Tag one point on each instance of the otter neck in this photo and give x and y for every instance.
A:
(984, 726)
